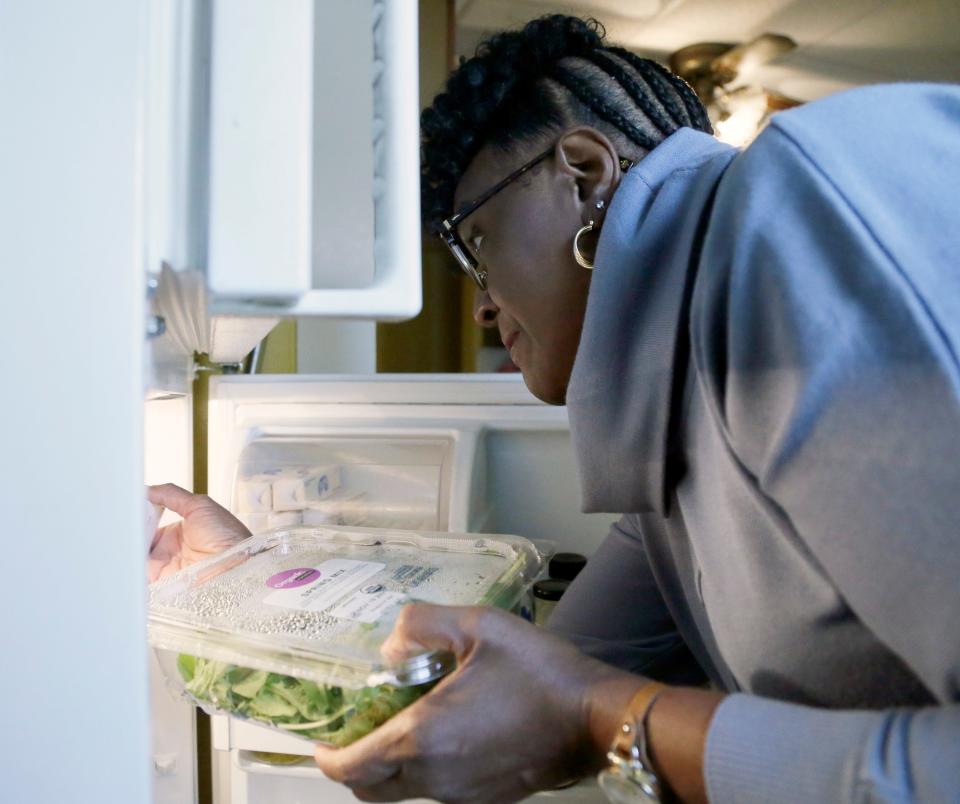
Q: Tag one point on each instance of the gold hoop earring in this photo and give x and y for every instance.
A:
(582, 261)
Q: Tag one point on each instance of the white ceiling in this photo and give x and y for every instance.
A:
(841, 42)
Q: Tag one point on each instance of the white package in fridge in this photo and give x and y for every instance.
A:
(255, 495)
(294, 491)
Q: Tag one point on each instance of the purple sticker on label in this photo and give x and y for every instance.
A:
(288, 579)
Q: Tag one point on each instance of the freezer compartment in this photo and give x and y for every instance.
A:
(501, 460)
(353, 480)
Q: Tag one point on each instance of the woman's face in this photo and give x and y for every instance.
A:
(536, 293)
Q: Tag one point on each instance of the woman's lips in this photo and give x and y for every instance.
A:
(510, 342)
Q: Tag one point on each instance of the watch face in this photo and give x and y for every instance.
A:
(620, 789)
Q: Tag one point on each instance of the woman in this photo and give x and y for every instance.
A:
(761, 373)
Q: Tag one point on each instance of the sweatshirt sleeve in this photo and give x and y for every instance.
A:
(760, 750)
(614, 612)
(838, 384)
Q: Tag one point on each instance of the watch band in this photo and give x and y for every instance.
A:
(636, 712)
(630, 778)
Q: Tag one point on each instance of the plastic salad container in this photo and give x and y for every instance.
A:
(286, 627)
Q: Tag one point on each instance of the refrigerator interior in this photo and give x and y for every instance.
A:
(472, 453)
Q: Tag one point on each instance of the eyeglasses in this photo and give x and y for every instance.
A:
(449, 234)
(464, 256)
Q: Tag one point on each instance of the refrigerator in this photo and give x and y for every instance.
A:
(461, 453)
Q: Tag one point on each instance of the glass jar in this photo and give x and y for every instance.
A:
(546, 595)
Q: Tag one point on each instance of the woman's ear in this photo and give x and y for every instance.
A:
(588, 158)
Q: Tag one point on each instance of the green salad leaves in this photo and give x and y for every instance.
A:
(318, 712)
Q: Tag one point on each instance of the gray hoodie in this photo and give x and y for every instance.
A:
(768, 379)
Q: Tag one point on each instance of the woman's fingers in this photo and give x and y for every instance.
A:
(206, 528)
(476, 736)
(424, 626)
(170, 496)
(373, 765)
(370, 761)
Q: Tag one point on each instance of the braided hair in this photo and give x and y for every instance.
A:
(526, 85)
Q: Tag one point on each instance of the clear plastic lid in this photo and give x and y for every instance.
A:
(318, 603)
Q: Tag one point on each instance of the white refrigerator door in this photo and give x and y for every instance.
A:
(477, 453)
(72, 605)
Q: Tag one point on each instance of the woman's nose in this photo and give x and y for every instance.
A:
(484, 309)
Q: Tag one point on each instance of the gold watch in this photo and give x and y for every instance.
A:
(629, 778)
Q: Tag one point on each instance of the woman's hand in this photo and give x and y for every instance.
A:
(524, 711)
(205, 530)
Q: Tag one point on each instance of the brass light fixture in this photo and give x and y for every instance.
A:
(711, 67)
